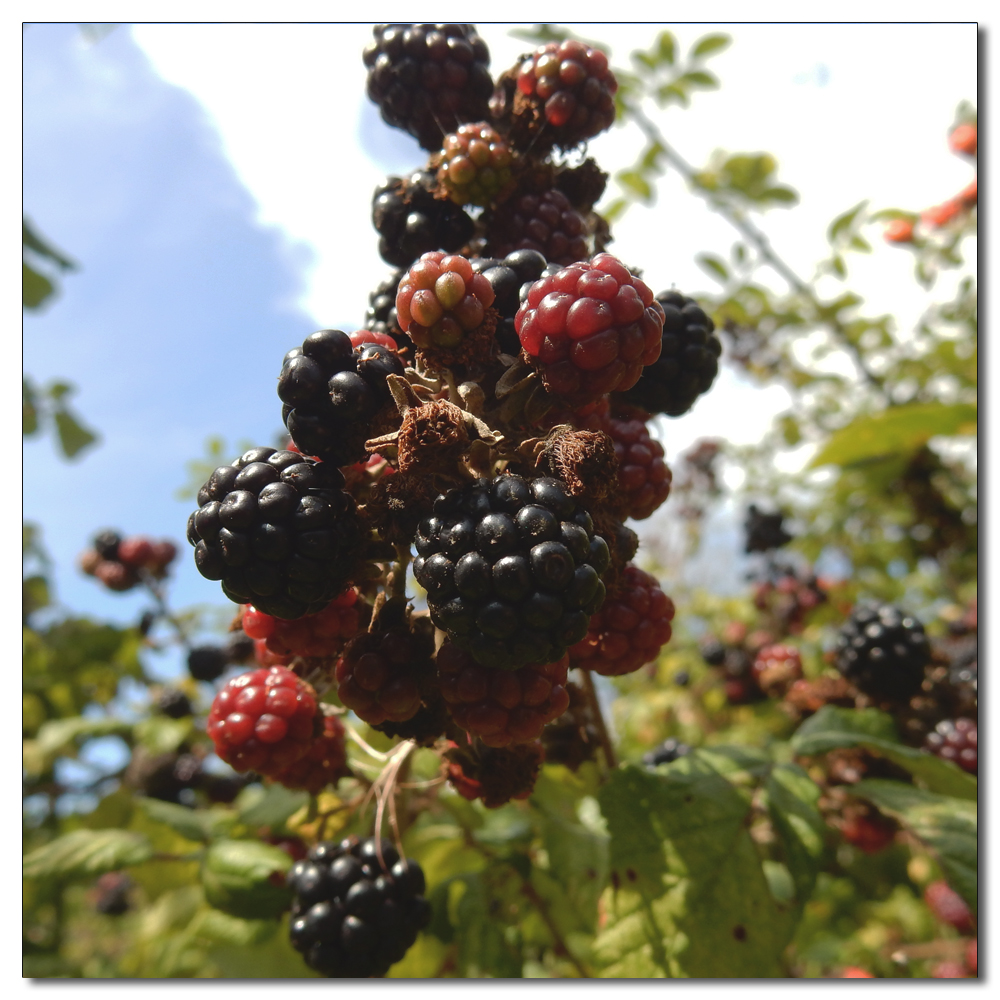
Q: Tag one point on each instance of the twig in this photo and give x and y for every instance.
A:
(595, 710)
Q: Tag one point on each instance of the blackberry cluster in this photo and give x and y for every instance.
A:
(277, 530)
(666, 753)
(380, 316)
(508, 277)
(547, 223)
(590, 328)
(688, 360)
(335, 394)
(428, 78)
(354, 913)
(410, 221)
(956, 740)
(512, 569)
(883, 652)
(120, 563)
(476, 165)
(501, 706)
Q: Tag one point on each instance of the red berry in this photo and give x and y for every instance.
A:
(629, 630)
(964, 139)
(972, 956)
(544, 222)
(948, 970)
(956, 740)
(776, 668)
(969, 195)
(899, 231)
(135, 552)
(948, 906)
(853, 972)
(322, 634)
(643, 476)
(475, 165)
(359, 337)
(495, 775)
(501, 706)
(870, 833)
(324, 763)
(941, 215)
(590, 328)
(115, 576)
(263, 721)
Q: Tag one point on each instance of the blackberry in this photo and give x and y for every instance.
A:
(764, 531)
(381, 314)
(239, 648)
(113, 894)
(501, 706)
(666, 753)
(629, 630)
(428, 78)
(590, 328)
(410, 221)
(325, 762)
(512, 569)
(206, 663)
(883, 651)
(263, 721)
(106, 544)
(355, 915)
(507, 277)
(643, 477)
(495, 775)
(956, 740)
(776, 667)
(572, 738)
(278, 531)
(688, 361)
(546, 223)
(335, 395)
(949, 907)
(323, 634)
(174, 704)
(475, 166)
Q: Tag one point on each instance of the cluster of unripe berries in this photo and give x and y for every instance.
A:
(121, 563)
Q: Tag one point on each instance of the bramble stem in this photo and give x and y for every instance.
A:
(595, 710)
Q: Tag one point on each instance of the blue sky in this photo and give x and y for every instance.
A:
(220, 217)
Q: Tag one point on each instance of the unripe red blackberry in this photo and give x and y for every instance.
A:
(869, 830)
(883, 651)
(335, 394)
(116, 576)
(263, 721)
(323, 634)
(948, 906)
(643, 476)
(278, 531)
(386, 673)
(496, 775)
(512, 569)
(135, 551)
(630, 630)
(475, 165)
(956, 740)
(410, 221)
(324, 764)
(589, 329)
(501, 706)
(428, 78)
(687, 364)
(776, 667)
(565, 95)
(546, 223)
(441, 301)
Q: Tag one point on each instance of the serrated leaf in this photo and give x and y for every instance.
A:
(244, 878)
(709, 44)
(199, 825)
(713, 265)
(86, 853)
(946, 825)
(832, 728)
(689, 896)
(897, 431)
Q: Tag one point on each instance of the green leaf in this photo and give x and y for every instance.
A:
(947, 826)
(832, 727)
(34, 594)
(666, 46)
(670, 93)
(225, 929)
(688, 896)
(843, 222)
(34, 242)
(860, 244)
(633, 181)
(780, 193)
(87, 852)
(159, 734)
(35, 287)
(199, 825)
(698, 78)
(792, 798)
(897, 431)
(270, 806)
(29, 408)
(73, 436)
(713, 265)
(709, 44)
(244, 878)
(58, 738)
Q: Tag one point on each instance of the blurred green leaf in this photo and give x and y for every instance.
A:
(86, 853)
(35, 287)
(244, 878)
(159, 734)
(636, 183)
(58, 738)
(225, 929)
(713, 265)
(843, 222)
(29, 408)
(898, 430)
(666, 46)
(199, 825)
(710, 44)
(948, 826)
(792, 798)
(73, 436)
(31, 239)
(699, 78)
(270, 806)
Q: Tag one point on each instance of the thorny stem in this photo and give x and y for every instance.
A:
(595, 711)
(757, 237)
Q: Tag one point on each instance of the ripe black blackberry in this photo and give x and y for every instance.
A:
(278, 531)
(713, 653)
(428, 79)
(106, 544)
(508, 277)
(410, 221)
(206, 663)
(666, 753)
(336, 396)
(512, 568)
(174, 704)
(688, 362)
(381, 314)
(355, 915)
(883, 652)
(764, 531)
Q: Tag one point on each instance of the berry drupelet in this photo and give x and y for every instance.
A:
(335, 394)
(428, 78)
(278, 531)
(643, 476)
(357, 907)
(546, 223)
(512, 569)
(956, 740)
(475, 166)
(590, 328)
(325, 762)
(323, 634)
